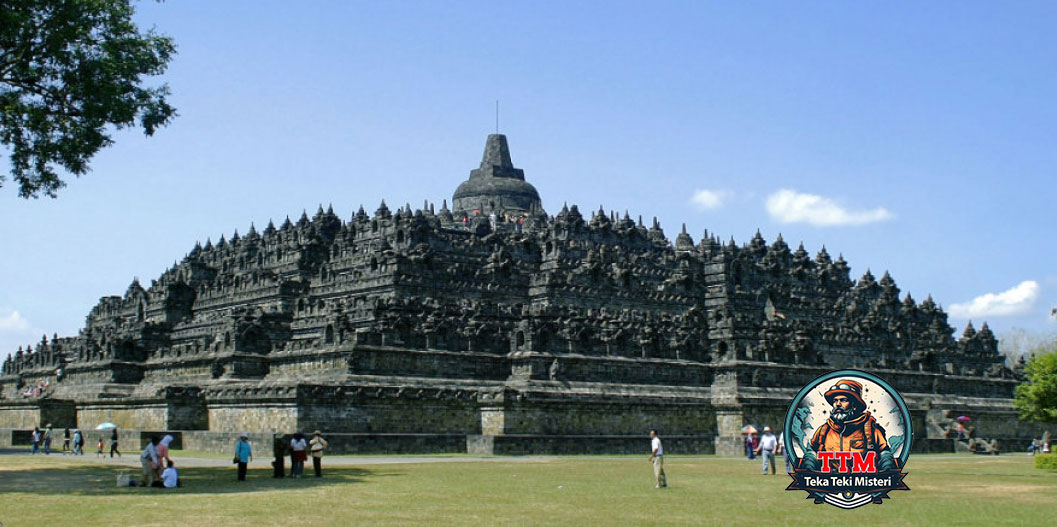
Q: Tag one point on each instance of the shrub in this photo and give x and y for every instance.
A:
(1047, 461)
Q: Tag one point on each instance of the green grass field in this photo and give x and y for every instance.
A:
(945, 490)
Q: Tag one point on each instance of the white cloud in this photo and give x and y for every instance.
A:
(709, 199)
(790, 206)
(15, 331)
(1016, 301)
(12, 322)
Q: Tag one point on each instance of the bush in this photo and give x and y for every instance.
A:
(1047, 461)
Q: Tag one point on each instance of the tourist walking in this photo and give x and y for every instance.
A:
(149, 461)
(35, 440)
(787, 455)
(298, 456)
(47, 439)
(99, 448)
(243, 454)
(113, 443)
(766, 448)
(657, 458)
(66, 442)
(78, 442)
(317, 445)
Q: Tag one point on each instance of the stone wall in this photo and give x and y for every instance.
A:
(20, 415)
(61, 414)
(252, 416)
(224, 443)
(410, 414)
(125, 414)
(371, 360)
(614, 370)
(308, 364)
(188, 413)
(525, 444)
(610, 415)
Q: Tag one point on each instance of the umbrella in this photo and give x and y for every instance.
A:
(106, 426)
(749, 429)
(963, 419)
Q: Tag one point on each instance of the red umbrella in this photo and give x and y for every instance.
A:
(963, 419)
(749, 429)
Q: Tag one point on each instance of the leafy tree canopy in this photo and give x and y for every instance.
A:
(1037, 398)
(69, 71)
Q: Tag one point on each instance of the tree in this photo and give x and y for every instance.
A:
(1016, 342)
(1037, 398)
(70, 72)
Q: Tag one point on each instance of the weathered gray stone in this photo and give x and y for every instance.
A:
(533, 331)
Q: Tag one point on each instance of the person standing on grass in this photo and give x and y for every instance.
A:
(35, 440)
(657, 458)
(113, 443)
(66, 441)
(787, 455)
(317, 445)
(243, 454)
(78, 442)
(163, 448)
(149, 460)
(163, 456)
(768, 444)
(47, 439)
(298, 445)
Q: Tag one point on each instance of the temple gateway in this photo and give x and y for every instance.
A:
(493, 326)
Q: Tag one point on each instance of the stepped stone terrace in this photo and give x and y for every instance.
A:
(497, 327)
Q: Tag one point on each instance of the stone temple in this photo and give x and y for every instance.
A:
(495, 327)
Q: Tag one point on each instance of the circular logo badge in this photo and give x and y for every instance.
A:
(848, 434)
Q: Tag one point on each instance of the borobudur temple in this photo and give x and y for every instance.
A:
(494, 327)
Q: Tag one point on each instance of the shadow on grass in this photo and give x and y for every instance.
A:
(102, 480)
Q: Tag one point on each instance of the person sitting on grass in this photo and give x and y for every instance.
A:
(170, 478)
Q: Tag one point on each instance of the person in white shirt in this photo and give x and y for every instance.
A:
(170, 479)
(768, 444)
(657, 458)
(298, 444)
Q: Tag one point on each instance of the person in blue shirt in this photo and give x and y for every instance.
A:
(243, 454)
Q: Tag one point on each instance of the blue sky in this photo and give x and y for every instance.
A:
(915, 138)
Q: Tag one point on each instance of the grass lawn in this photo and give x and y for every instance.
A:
(946, 490)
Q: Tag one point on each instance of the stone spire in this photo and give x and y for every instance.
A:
(496, 160)
(496, 186)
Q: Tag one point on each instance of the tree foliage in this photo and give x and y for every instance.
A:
(1037, 397)
(70, 71)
